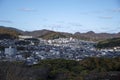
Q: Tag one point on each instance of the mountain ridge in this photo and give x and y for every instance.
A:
(90, 35)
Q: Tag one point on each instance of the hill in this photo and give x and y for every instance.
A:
(49, 34)
(36, 33)
(55, 35)
(52, 35)
(92, 36)
(60, 69)
(114, 42)
(8, 33)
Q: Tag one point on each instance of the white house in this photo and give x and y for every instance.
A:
(10, 51)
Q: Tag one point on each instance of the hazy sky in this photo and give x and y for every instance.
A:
(61, 15)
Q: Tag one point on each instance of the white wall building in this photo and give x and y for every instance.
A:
(10, 51)
(21, 37)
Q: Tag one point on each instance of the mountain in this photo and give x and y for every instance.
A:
(54, 35)
(92, 36)
(108, 43)
(11, 28)
(8, 33)
(96, 36)
(37, 33)
(49, 34)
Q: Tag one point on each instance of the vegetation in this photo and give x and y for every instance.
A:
(53, 35)
(8, 33)
(77, 70)
(109, 43)
(80, 37)
(60, 69)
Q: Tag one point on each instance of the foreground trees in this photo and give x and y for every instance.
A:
(59, 69)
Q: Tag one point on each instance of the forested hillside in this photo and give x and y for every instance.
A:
(109, 43)
(59, 69)
(6, 33)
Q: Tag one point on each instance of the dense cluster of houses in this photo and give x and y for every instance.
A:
(32, 50)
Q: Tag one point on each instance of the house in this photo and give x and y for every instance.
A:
(10, 51)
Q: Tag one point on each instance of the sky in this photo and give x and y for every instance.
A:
(61, 15)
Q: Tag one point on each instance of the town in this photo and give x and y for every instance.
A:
(32, 50)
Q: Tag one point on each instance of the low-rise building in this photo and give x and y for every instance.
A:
(10, 51)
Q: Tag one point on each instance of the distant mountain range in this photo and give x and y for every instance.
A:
(97, 36)
(48, 34)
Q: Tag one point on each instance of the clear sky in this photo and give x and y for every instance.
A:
(61, 15)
